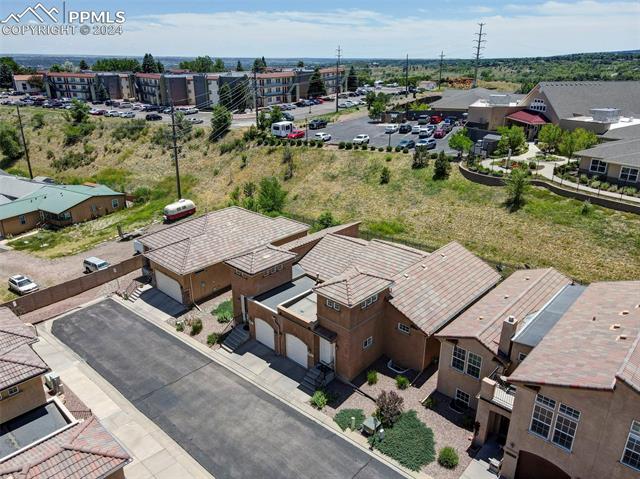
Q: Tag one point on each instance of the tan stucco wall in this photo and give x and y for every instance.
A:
(256, 284)
(613, 171)
(407, 350)
(450, 379)
(488, 419)
(605, 419)
(517, 348)
(494, 116)
(12, 226)
(31, 395)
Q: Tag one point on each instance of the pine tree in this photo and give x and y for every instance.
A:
(149, 65)
(316, 85)
(83, 65)
(441, 167)
(225, 95)
(239, 66)
(6, 77)
(352, 80)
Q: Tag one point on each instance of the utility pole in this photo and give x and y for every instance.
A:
(24, 142)
(479, 47)
(255, 94)
(406, 76)
(441, 64)
(175, 149)
(339, 52)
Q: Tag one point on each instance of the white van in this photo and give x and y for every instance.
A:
(282, 128)
(94, 264)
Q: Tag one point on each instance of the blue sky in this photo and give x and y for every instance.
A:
(365, 29)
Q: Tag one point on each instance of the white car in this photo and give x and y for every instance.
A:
(195, 121)
(112, 113)
(361, 139)
(125, 104)
(392, 128)
(323, 136)
(137, 106)
(127, 114)
(22, 284)
(415, 129)
(191, 111)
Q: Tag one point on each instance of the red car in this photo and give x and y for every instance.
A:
(435, 119)
(319, 99)
(296, 134)
(439, 133)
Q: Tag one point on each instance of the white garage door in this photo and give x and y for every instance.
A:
(169, 286)
(264, 333)
(296, 350)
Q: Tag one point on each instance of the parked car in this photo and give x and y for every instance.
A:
(436, 119)
(137, 106)
(439, 133)
(282, 129)
(112, 113)
(317, 124)
(447, 127)
(127, 114)
(195, 121)
(191, 111)
(408, 144)
(300, 103)
(22, 284)
(423, 120)
(96, 111)
(287, 116)
(425, 132)
(322, 136)
(415, 129)
(167, 110)
(153, 117)
(296, 134)
(93, 264)
(405, 128)
(361, 139)
(125, 104)
(451, 120)
(429, 144)
(392, 128)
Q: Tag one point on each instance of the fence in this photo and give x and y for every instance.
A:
(59, 292)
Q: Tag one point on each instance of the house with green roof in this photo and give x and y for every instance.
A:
(58, 206)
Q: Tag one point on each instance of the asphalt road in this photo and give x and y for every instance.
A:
(232, 428)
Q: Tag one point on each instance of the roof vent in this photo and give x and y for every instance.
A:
(622, 337)
(443, 255)
(480, 318)
(615, 326)
(424, 266)
(406, 275)
(511, 319)
(506, 296)
(624, 312)
(593, 319)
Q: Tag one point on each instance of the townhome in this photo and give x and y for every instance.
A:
(616, 162)
(576, 412)
(41, 438)
(335, 304)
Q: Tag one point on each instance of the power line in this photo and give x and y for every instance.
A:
(441, 65)
(175, 147)
(24, 142)
(479, 41)
(339, 53)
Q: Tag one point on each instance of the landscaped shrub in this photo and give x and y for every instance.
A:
(397, 148)
(380, 149)
(389, 149)
(584, 179)
(405, 151)
(319, 399)
(223, 312)
(430, 403)
(196, 327)
(448, 457)
(348, 146)
(341, 145)
(364, 147)
(343, 418)
(613, 188)
(213, 339)
(595, 184)
(319, 144)
(390, 407)
(229, 146)
(372, 148)
(372, 377)
(180, 326)
(533, 165)
(402, 382)
(434, 156)
(385, 175)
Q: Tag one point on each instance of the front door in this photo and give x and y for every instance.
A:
(327, 352)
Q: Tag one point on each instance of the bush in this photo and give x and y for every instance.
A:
(223, 312)
(397, 148)
(405, 151)
(364, 147)
(319, 399)
(229, 146)
(37, 120)
(72, 159)
(180, 326)
(533, 165)
(380, 149)
(196, 327)
(130, 130)
(389, 149)
(341, 145)
(349, 146)
(142, 194)
(213, 338)
(372, 148)
(402, 381)
(595, 184)
(448, 457)
(390, 407)
(586, 208)
(584, 179)
(343, 418)
(430, 403)
(319, 144)
(385, 175)
(74, 132)
(434, 156)
(372, 377)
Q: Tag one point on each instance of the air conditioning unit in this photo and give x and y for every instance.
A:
(52, 381)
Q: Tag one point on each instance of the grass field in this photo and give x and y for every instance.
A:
(548, 231)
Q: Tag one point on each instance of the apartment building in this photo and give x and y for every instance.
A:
(88, 86)
(335, 303)
(41, 437)
(32, 84)
(288, 86)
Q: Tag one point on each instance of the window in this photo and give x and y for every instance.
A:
(369, 301)
(403, 328)
(462, 397)
(564, 428)
(23, 220)
(631, 454)
(12, 391)
(629, 174)
(474, 363)
(367, 342)
(332, 304)
(538, 105)
(458, 358)
(598, 166)
(521, 356)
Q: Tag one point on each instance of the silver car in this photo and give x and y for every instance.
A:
(21, 284)
(127, 114)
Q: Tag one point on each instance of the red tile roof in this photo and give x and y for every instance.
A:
(521, 294)
(71, 75)
(85, 450)
(528, 117)
(593, 344)
(260, 259)
(25, 77)
(317, 236)
(440, 286)
(332, 255)
(20, 364)
(353, 286)
(152, 76)
(13, 332)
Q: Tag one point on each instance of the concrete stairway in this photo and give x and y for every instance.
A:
(135, 294)
(313, 380)
(236, 338)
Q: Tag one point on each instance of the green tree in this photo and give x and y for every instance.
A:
(549, 138)
(241, 94)
(55, 68)
(259, 65)
(220, 122)
(6, 76)
(377, 109)
(37, 120)
(352, 79)
(584, 139)
(441, 167)
(218, 66)
(369, 98)
(325, 220)
(101, 92)
(199, 64)
(460, 142)
(78, 113)
(11, 63)
(263, 121)
(149, 65)
(511, 137)
(385, 175)
(83, 65)
(420, 157)
(159, 67)
(276, 115)
(225, 95)
(300, 64)
(116, 65)
(239, 66)
(271, 196)
(516, 184)
(9, 143)
(316, 84)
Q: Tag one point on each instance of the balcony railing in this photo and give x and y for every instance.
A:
(497, 390)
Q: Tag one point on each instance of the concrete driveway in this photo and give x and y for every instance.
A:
(231, 427)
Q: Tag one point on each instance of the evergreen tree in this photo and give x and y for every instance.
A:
(220, 122)
(316, 85)
(241, 94)
(225, 95)
(352, 79)
(159, 67)
(149, 65)
(6, 76)
(441, 167)
(239, 66)
(300, 64)
(83, 65)
(218, 66)
(259, 65)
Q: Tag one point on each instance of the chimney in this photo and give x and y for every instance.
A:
(509, 328)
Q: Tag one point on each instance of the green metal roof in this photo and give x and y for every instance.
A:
(54, 199)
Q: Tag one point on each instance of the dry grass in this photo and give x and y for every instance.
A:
(548, 231)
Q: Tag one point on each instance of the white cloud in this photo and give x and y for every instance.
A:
(545, 29)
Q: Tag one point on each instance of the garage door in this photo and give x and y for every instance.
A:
(532, 466)
(296, 350)
(264, 333)
(168, 286)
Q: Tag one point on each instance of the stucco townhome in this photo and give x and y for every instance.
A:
(616, 162)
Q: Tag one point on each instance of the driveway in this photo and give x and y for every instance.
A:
(231, 427)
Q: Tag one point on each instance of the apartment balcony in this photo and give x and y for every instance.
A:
(497, 391)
